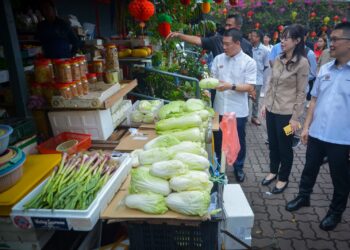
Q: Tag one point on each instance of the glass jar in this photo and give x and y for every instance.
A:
(75, 65)
(43, 71)
(91, 77)
(85, 84)
(97, 66)
(99, 77)
(83, 65)
(64, 71)
(64, 90)
(80, 89)
(112, 62)
(74, 89)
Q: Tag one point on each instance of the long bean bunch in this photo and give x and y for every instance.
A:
(75, 183)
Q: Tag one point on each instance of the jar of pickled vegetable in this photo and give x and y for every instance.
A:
(64, 71)
(80, 89)
(64, 90)
(43, 71)
(92, 78)
(99, 77)
(97, 66)
(112, 62)
(74, 89)
(85, 84)
(75, 65)
(83, 65)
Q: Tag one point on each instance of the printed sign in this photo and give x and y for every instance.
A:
(50, 223)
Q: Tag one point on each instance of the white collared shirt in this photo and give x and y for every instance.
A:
(331, 118)
(261, 57)
(239, 69)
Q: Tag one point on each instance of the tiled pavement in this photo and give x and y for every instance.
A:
(273, 225)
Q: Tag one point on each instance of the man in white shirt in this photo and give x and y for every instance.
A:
(237, 74)
(261, 57)
(326, 130)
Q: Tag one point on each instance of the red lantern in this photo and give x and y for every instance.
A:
(250, 14)
(141, 10)
(275, 36)
(224, 11)
(270, 1)
(185, 2)
(257, 26)
(312, 15)
(280, 28)
(344, 20)
(290, 1)
(219, 1)
(324, 28)
(233, 2)
(164, 29)
(313, 34)
(336, 19)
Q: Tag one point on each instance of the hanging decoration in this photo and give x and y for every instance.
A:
(312, 15)
(257, 25)
(313, 34)
(293, 15)
(219, 1)
(280, 28)
(185, 2)
(206, 6)
(324, 28)
(290, 1)
(275, 36)
(141, 10)
(233, 3)
(336, 19)
(224, 11)
(326, 20)
(344, 20)
(250, 14)
(164, 24)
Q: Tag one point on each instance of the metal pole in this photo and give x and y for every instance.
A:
(8, 36)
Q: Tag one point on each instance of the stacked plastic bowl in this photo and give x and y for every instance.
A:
(11, 160)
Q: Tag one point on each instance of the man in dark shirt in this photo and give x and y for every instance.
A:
(56, 36)
(214, 43)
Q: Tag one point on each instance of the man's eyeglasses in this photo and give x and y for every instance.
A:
(335, 39)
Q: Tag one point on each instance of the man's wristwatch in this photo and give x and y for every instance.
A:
(233, 87)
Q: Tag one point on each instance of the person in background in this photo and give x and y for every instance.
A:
(55, 34)
(237, 74)
(320, 46)
(326, 130)
(214, 43)
(261, 57)
(283, 104)
(267, 40)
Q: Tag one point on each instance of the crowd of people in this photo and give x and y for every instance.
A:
(293, 77)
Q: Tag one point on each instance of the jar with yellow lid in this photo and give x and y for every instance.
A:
(75, 65)
(83, 65)
(43, 71)
(112, 62)
(97, 66)
(74, 89)
(80, 89)
(64, 90)
(91, 77)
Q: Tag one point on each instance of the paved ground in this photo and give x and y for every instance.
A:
(274, 226)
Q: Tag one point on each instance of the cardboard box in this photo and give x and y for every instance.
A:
(129, 142)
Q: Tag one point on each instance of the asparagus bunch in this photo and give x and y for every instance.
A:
(75, 183)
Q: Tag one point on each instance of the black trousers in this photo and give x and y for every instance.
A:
(280, 145)
(339, 166)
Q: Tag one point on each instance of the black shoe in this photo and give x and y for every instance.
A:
(266, 182)
(330, 221)
(297, 203)
(239, 174)
(277, 190)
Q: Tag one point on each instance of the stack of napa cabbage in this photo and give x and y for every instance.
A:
(171, 172)
(145, 111)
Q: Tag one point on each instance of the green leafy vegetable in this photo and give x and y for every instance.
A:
(189, 147)
(170, 109)
(193, 180)
(147, 202)
(182, 122)
(168, 169)
(162, 141)
(193, 161)
(192, 134)
(194, 105)
(189, 202)
(154, 155)
(209, 83)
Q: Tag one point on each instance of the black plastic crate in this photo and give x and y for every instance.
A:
(146, 236)
(22, 128)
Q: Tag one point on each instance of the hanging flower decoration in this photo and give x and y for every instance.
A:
(326, 20)
(290, 1)
(141, 10)
(280, 28)
(250, 14)
(313, 34)
(257, 25)
(293, 15)
(206, 6)
(336, 19)
(164, 24)
(185, 2)
(233, 3)
(324, 28)
(224, 11)
(344, 20)
(312, 15)
(270, 2)
(219, 1)
(275, 36)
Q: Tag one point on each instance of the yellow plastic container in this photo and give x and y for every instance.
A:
(35, 169)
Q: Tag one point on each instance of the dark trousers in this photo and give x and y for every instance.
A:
(339, 166)
(241, 123)
(280, 145)
(308, 95)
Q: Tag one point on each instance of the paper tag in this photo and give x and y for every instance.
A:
(140, 138)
